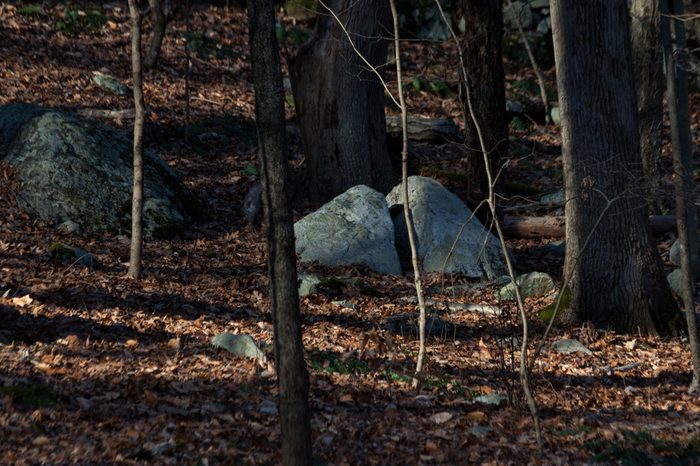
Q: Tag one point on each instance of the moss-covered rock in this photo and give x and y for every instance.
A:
(77, 170)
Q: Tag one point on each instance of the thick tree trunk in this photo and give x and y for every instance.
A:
(340, 103)
(647, 58)
(618, 282)
(292, 376)
(140, 112)
(481, 48)
(159, 15)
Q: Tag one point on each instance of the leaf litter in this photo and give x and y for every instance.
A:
(99, 369)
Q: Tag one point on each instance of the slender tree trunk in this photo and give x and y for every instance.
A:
(408, 216)
(677, 88)
(340, 103)
(140, 107)
(188, 64)
(159, 15)
(292, 376)
(647, 58)
(619, 281)
(481, 47)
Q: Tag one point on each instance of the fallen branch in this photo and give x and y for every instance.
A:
(125, 114)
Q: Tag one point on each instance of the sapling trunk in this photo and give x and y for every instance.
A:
(140, 110)
(406, 204)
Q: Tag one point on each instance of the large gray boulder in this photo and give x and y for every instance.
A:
(353, 228)
(79, 171)
(438, 216)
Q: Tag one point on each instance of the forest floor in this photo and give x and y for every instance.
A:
(96, 368)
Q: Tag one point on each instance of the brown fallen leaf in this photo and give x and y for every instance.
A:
(431, 447)
(174, 343)
(72, 341)
(41, 440)
(132, 343)
(41, 366)
(477, 416)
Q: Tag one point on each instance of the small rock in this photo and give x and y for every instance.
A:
(109, 83)
(569, 346)
(557, 198)
(345, 304)
(68, 227)
(480, 431)
(240, 345)
(214, 408)
(490, 399)
(268, 407)
(531, 284)
(441, 418)
(308, 284)
(74, 255)
(555, 248)
(513, 106)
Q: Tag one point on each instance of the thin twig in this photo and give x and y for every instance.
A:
(188, 62)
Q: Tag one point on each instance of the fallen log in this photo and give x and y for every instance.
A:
(555, 226)
(424, 129)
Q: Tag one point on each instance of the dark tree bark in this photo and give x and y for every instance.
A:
(679, 114)
(160, 15)
(340, 102)
(648, 60)
(292, 376)
(618, 282)
(481, 48)
(140, 108)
